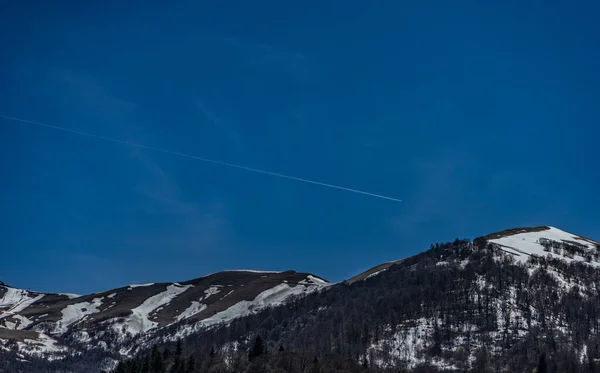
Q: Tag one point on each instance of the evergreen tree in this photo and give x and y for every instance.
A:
(258, 349)
(315, 366)
(156, 361)
(179, 348)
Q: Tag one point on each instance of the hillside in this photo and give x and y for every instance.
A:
(58, 325)
(458, 307)
(504, 302)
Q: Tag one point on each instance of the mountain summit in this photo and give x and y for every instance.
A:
(546, 241)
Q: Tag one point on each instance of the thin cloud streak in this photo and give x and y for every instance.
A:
(207, 160)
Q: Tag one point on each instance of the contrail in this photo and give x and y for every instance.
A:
(198, 158)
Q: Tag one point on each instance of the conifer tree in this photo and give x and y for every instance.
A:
(258, 349)
(179, 348)
(156, 361)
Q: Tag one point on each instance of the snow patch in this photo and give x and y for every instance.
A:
(16, 300)
(42, 346)
(70, 295)
(214, 289)
(375, 273)
(139, 321)
(523, 245)
(268, 298)
(192, 310)
(139, 285)
(23, 321)
(312, 280)
(225, 296)
(250, 270)
(77, 312)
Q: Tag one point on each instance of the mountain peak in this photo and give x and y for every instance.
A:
(546, 241)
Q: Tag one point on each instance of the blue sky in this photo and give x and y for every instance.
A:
(480, 117)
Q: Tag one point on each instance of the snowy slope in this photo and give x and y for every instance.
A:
(15, 300)
(410, 339)
(268, 298)
(139, 321)
(75, 313)
(135, 312)
(524, 244)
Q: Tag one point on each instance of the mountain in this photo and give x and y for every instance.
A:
(57, 325)
(510, 301)
(523, 243)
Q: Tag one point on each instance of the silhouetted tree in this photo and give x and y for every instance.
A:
(156, 361)
(178, 348)
(258, 348)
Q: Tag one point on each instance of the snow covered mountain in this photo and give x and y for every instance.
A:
(496, 296)
(55, 325)
(546, 241)
(524, 243)
(500, 301)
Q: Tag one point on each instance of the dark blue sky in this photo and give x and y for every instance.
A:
(480, 117)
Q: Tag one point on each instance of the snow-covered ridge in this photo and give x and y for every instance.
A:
(16, 300)
(241, 270)
(547, 241)
(250, 270)
(313, 280)
(275, 296)
(39, 320)
(141, 285)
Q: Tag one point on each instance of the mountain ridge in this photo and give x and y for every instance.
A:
(38, 321)
(122, 321)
